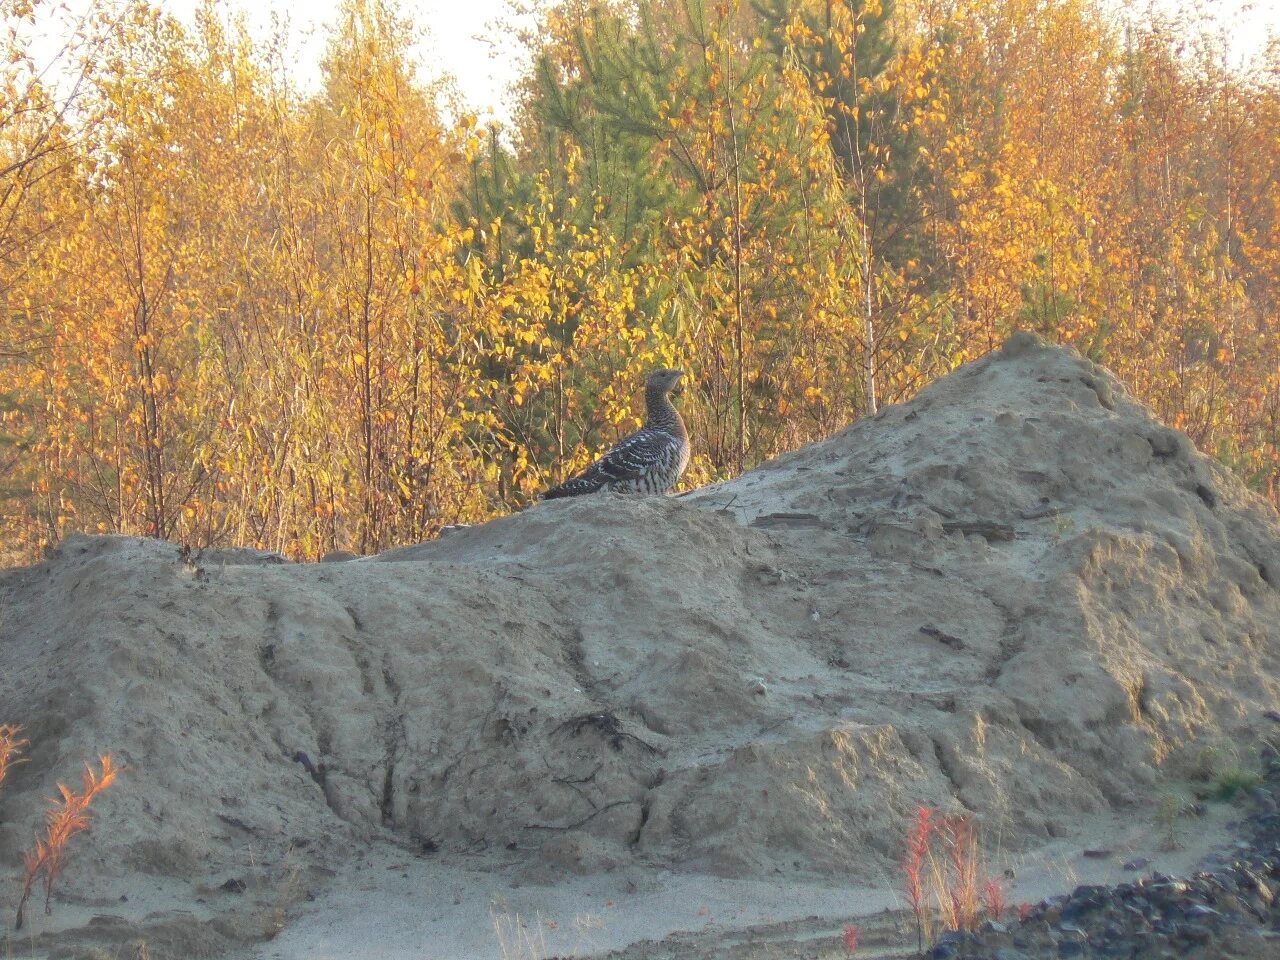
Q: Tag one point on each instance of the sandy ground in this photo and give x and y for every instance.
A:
(1017, 596)
(392, 909)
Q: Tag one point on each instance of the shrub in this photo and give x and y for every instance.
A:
(64, 820)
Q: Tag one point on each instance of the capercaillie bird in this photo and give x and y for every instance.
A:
(651, 460)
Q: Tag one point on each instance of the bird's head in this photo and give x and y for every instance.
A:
(664, 379)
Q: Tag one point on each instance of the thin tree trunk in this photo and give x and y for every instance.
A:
(737, 268)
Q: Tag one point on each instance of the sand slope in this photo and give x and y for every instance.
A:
(1017, 594)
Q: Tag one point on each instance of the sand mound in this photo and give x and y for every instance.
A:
(1017, 594)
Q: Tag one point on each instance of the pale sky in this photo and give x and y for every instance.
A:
(465, 39)
(462, 38)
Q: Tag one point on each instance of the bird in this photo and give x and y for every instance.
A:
(651, 460)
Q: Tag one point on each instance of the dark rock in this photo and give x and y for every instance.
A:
(1117, 948)
(1224, 911)
(1263, 888)
(1195, 933)
(1079, 908)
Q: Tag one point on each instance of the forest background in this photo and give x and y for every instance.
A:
(232, 312)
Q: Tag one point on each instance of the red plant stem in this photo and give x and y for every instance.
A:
(917, 849)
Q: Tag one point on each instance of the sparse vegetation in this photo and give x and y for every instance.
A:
(1232, 782)
(67, 817)
(1169, 809)
(849, 937)
(11, 744)
(946, 884)
(913, 865)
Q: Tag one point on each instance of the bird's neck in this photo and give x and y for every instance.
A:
(661, 413)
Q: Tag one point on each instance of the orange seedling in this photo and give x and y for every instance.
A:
(945, 881)
(65, 819)
(917, 850)
(960, 890)
(11, 744)
(850, 937)
(993, 898)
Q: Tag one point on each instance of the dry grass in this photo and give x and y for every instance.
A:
(11, 744)
(918, 848)
(946, 883)
(64, 820)
(519, 940)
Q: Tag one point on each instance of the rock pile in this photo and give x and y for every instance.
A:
(1230, 911)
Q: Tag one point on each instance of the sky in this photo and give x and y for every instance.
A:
(466, 38)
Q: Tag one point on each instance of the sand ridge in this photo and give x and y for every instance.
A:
(1017, 594)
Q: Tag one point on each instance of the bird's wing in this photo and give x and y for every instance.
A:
(629, 459)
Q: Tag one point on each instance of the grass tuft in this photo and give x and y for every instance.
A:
(1233, 781)
(944, 877)
(67, 817)
(11, 744)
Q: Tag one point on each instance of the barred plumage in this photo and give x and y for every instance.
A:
(651, 460)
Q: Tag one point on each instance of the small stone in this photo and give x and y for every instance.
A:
(1229, 903)
(1097, 854)
(1263, 888)
(1196, 933)
(234, 885)
(1070, 948)
(1077, 909)
(1137, 863)
(1118, 948)
(1087, 890)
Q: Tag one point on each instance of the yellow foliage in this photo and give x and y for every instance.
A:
(238, 314)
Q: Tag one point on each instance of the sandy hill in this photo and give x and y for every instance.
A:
(1017, 594)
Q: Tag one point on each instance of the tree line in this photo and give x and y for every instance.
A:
(235, 312)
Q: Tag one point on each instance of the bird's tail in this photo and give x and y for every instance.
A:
(571, 488)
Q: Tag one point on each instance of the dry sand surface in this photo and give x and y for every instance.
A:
(1017, 595)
